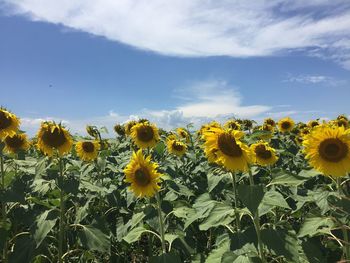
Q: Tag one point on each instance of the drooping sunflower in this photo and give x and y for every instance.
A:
(285, 124)
(342, 122)
(183, 133)
(263, 154)
(270, 122)
(328, 150)
(145, 135)
(176, 147)
(313, 123)
(16, 142)
(227, 149)
(119, 129)
(9, 123)
(232, 125)
(87, 150)
(51, 137)
(128, 126)
(142, 174)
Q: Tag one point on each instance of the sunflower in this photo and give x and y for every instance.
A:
(270, 122)
(9, 123)
(207, 126)
(87, 150)
(263, 154)
(228, 149)
(119, 129)
(342, 116)
(128, 127)
(342, 122)
(183, 133)
(145, 135)
(176, 147)
(16, 142)
(328, 150)
(285, 124)
(232, 125)
(313, 123)
(143, 175)
(268, 129)
(51, 137)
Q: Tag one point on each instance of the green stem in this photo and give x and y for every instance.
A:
(346, 246)
(234, 184)
(3, 205)
(257, 224)
(161, 223)
(61, 223)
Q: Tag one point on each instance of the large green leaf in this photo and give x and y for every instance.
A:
(251, 196)
(316, 225)
(166, 258)
(94, 239)
(44, 224)
(223, 246)
(134, 234)
(221, 214)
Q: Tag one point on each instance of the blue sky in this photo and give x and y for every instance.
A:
(102, 62)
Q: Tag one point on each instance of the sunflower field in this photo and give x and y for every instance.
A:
(239, 191)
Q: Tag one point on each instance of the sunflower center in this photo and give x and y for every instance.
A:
(227, 144)
(142, 177)
(177, 146)
(14, 142)
(4, 120)
(145, 133)
(55, 138)
(333, 150)
(88, 147)
(285, 125)
(262, 152)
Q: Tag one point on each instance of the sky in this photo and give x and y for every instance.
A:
(103, 62)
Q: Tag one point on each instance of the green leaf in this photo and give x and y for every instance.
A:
(214, 180)
(281, 242)
(251, 196)
(288, 179)
(223, 246)
(134, 234)
(94, 239)
(170, 238)
(311, 248)
(272, 199)
(23, 250)
(43, 225)
(221, 214)
(316, 225)
(166, 258)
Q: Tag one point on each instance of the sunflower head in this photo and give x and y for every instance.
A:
(16, 142)
(268, 128)
(304, 131)
(145, 135)
(176, 147)
(342, 116)
(9, 123)
(313, 123)
(232, 125)
(247, 124)
(342, 122)
(142, 175)
(93, 131)
(87, 150)
(226, 147)
(263, 154)
(128, 126)
(119, 129)
(328, 150)
(270, 122)
(183, 134)
(286, 124)
(52, 137)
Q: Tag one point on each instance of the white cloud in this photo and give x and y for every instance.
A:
(314, 79)
(206, 28)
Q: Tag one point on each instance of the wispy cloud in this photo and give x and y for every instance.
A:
(314, 79)
(206, 28)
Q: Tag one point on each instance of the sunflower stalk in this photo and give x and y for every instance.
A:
(3, 204)
(346, 246)
(256, 220)
(234, 185)
(62, 219)
(161, 223)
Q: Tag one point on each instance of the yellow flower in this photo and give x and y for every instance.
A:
(342, 122)
(268, 128)
(128, 127)
(270, 122)
(119, 129)
(142, 174)
(87, 150)
(228, 149)
(263, 154)
(328, 150)
(183, 134)
(145, 135)
(313, 123)
(176, 147)
(285, 124)
(232, 125)
(16, 142)
(51, 137)
(9, 123)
